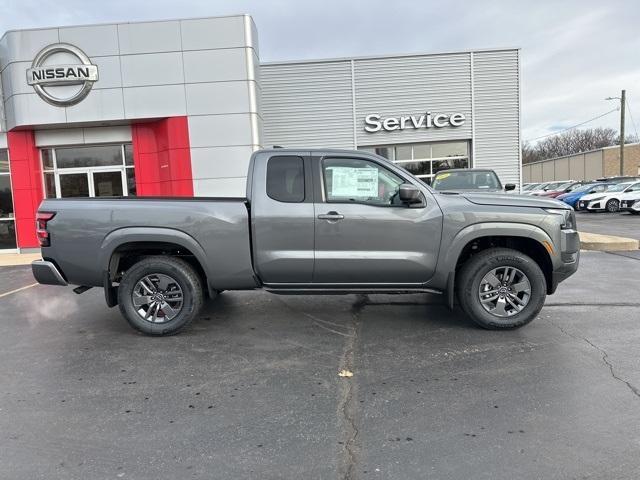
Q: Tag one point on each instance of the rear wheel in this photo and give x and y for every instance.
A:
(160, 295)
(501, 288)
(613, 205)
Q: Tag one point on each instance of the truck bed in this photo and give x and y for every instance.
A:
(85, 232)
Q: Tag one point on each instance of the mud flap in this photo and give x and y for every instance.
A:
(450, 297)
(110, 292)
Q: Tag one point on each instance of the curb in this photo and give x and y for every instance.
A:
(611, 243)
(16, 259)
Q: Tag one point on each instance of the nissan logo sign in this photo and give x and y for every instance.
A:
(46, 77)
(375, 123)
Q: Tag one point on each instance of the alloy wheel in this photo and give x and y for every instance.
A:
(157, 298)
(613, 206)
(504, 291)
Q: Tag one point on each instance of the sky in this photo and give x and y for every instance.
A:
(574, 53)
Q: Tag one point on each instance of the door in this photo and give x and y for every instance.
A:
(73, 185)
(364, 234)
(91, 182)
(108, 183)
(282, 218)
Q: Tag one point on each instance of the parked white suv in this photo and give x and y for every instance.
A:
(609, 200)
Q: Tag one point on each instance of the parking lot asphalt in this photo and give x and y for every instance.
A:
(621, 224)
(251, 389)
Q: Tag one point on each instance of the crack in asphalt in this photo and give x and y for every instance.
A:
(604, 355)
(348, 405)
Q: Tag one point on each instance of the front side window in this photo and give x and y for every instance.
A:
(360, 181)
(285, 179)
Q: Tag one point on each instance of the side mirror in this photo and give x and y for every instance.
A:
(509, 186)
(409, 193)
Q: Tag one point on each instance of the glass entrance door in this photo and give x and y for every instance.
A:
(91, 183)
(7, 221)
(73, 185)
(88, 171)
(108, 183)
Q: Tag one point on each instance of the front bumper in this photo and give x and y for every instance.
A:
(569, 258)
(630, 205)
(47, 273)
(590, 205)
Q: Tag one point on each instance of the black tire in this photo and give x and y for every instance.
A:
(184, 276)
(474, 270)
(613, 205)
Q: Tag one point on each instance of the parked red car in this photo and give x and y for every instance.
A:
(564, 188)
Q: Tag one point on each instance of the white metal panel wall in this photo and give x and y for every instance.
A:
(307, 104)
(497, 113)
(3, 125)
(398, 86)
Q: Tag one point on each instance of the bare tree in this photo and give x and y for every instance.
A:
(571, 142)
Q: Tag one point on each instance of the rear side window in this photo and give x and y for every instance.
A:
(285, 179)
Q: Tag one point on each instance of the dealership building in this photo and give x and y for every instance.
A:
(176, 108)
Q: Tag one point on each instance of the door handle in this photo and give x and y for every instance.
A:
(330, 216)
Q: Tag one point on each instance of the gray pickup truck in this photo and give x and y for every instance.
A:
(312, 222)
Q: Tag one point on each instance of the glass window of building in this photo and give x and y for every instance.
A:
(424, 160)
(88, 171)
(7, 221)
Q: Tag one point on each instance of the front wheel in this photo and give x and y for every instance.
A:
(613, 205)
(501, 288)
(160, 295)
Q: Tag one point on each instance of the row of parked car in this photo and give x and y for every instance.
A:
(601, 195)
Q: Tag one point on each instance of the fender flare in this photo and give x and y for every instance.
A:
(149, 234)
(478, 230)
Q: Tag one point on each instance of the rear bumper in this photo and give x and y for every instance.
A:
(47, 273)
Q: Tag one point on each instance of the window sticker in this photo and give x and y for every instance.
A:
(354, 182)
(443, 175)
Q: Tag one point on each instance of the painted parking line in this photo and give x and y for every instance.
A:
(6, 294)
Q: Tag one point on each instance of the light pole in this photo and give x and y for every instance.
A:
(622, 99)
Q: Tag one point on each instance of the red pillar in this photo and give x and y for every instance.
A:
(162, 157)
(26, 180)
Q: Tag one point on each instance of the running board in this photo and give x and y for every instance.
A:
(347, 291)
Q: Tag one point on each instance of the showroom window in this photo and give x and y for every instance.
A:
(424, 160)
(88, 171)
(7, 221)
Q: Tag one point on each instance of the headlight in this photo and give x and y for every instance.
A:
(569, 217)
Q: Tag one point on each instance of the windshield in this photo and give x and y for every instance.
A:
(530, 187)
(562, 186)
(618, 187)
(582, 188)
(471, 180)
